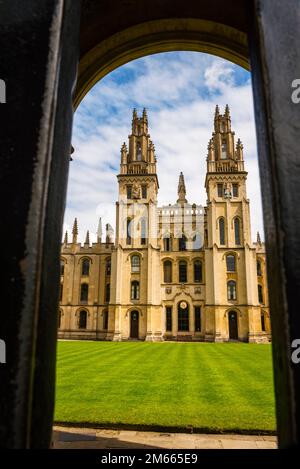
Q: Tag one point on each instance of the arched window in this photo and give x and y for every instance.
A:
(263, 321)
(197, 271)
(182, 272)
(230, 263)
(108, 266)
(182, 243)
(258, 268)
(168, 243)
(82, 319)
(260, 294)
(107, 292)
(231, 290)
(84, 292)
(135, 263)
(143, 230)
(105, 320)
(135, 290)
(183, 316)
(224, 150)
(138, 152)
(167, 271)
(85, 267)
(237, 231)
(62, 267)
(222, 231)
(128, 231)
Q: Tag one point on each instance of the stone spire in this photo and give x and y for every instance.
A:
(145, 117)
(87, 239)
(181, 189)
(227, 111)
(99, 231)
(217, 112)
(75, 231)
(66, 238)
(258, 240)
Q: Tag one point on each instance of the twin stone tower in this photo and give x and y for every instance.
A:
(178, 272)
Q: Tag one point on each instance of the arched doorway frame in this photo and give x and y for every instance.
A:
(51, 39)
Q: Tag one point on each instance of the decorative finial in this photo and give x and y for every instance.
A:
(99, 231)
(87, 238)
(227, 111)
(75, 231)
(258, 240)
(217, 111)
(66, 238)
(134, 114)
(145, 117)
(181, 189)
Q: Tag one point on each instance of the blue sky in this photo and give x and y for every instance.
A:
(180, 91)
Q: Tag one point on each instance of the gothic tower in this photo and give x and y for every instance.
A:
(136, 259)
(230, 255)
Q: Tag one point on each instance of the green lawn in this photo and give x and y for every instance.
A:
(210, 387)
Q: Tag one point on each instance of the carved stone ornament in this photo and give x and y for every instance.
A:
(136, 191)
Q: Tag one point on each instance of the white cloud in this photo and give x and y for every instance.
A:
(180, 91)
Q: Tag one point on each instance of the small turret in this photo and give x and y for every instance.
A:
(181, 189)
(99, 231)
(75, 232)
(87, 239)
(66, 238)
(258, 240)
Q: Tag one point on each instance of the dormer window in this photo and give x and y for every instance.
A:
(224, 150)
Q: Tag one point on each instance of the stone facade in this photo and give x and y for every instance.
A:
(178, 272)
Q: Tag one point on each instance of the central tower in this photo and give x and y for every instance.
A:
(136, 259)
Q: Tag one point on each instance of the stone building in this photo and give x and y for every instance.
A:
(178, 272)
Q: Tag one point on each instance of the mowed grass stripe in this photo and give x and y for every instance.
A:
(210, 386)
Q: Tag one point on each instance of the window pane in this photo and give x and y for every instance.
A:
(182, 272)
(235, 190)
(220, 190)
(129, 192)
(183, 319)
(107, 292)
(237, 230)
(258, 268)
(231, 290)
(84, 291)
(85, 269)
(197, 318)
(135, 263)
(82, 319)
(230, 262)
(169, 318)
(144, 192)
(108, 267)
(143, 231)
(222, 231)
(260, 294)
(197, 271)
(182, 243)
(128, 231)
(167, 271)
